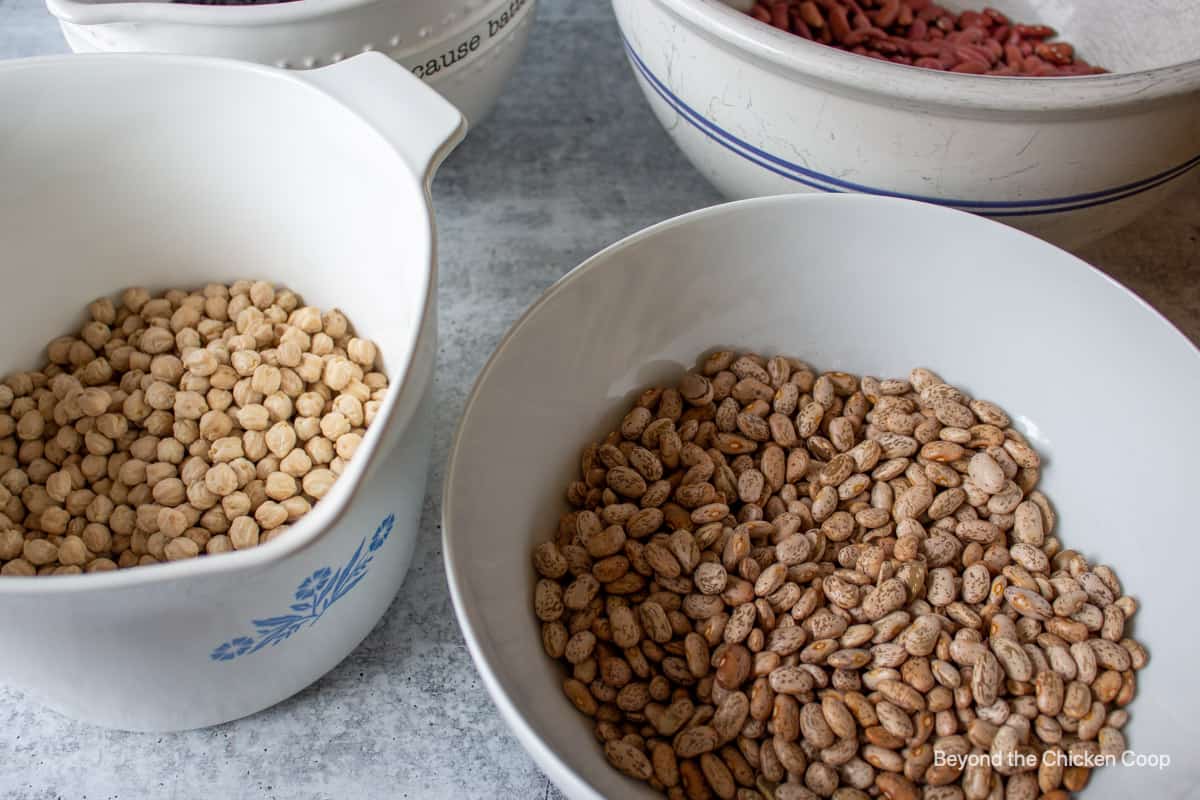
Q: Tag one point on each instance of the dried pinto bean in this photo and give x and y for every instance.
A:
(833, 583)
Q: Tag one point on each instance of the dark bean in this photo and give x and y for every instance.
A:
(924, 34)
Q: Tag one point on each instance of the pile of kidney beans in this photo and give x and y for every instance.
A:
(921, 33)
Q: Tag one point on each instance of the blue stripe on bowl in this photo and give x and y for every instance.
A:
(828, 183)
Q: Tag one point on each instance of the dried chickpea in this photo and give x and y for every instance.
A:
(243, 533)
(72, 552)
(270, 515)
(227, 448)
(266, 379)
(180, 548)
(221, 480)
(18, 567)
(310, 404)
(339, 372)
(334, 424)
(361, 351)
(318, 482)
(347, 445)
(296, 463)
(39, 552)
(219, 544)
(178, 424)
(254, 417)
(254, 444)
(171, 522)
(244, 469)
(311, 367)
(11, 544)
(280, 486)
(322, 344)
(296, 507)
(54, 521)
(235, 505)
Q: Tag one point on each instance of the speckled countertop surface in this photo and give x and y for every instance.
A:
(571, 161)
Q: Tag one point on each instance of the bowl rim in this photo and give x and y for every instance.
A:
(284, 12)
(333, 507)
(739, 31)
(543, 752)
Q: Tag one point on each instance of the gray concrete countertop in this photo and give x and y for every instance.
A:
(571, 161)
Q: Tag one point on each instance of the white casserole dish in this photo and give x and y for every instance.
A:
(168, 171)
(466, 49)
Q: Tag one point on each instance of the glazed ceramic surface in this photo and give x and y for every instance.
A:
(170, 172)
(761, 112)
(466, 49)
(848, 282)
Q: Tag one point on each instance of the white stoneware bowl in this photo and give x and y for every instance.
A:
(466, 49)
(174, 171)
(760, 112)
(1095, 377)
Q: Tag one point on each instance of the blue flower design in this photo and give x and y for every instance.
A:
(315, 595)
(381, 533)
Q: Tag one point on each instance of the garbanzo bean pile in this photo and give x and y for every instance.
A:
(179, 424)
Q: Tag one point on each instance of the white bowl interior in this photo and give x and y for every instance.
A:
(197, 171)
(870, 285)
(1115, 34)
(173, 172)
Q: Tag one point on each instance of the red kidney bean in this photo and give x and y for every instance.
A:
(1059, 53)
(971, 67)
(973, 34)
(779, 16)
(970, 52)
(839, 23)
(925, 49)
(801, 27)
(972, 19)
(996, 16)
(1036, 31)
(923, 33)
(930, 12)
(886, 16)
(811, 14)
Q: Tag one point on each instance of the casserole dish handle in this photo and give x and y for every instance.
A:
(421, 125)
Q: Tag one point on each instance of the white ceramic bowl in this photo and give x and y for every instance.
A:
(760, 112)
(173, 171)
(1096, 379)
(466, 49)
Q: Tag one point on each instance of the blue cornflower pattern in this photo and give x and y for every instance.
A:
(315, 595)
